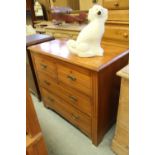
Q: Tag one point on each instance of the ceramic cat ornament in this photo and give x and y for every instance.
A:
(89, 39)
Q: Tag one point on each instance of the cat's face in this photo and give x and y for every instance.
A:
(97, 11)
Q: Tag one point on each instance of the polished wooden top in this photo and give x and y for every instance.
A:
(124, 72)
(58, 49)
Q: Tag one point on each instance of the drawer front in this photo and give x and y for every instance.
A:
(116, 4)
(75, 79)
(118, 15)
(77, 118)
(76, 99)
(44, 65)
(47, 82)
(116, 32)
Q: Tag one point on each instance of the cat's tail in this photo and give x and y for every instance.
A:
(71, 44)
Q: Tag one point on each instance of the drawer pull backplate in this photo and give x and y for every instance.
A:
(72, 78)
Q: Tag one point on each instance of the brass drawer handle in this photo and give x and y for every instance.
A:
(46, 82)
(43, 66)
(125, 35)
(75, 117)
(116, 4)
(73, 98)
(52, 100)
(72, 78)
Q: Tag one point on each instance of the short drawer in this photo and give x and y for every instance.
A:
(47, 82)
(75, 79)
(116, 32)
(77, 118)
(75, 98)
(49, 99)
(116, 4)
(45, 65)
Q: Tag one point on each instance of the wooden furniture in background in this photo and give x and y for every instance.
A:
(116, 4)
(46, 6)
(30, 74)
(69, 31)
(116, 28)
(30, 14)
(35, 144)
(117, 33)
(83, 90)
(120, 143)
(74, 4)
(87, 4)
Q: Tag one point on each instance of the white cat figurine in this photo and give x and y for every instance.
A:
(89, 39)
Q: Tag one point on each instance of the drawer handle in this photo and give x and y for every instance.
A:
(72, 78)
(73, 98)
(125, 35)
(43, 66)
(46, 82)
(116, 4)
(75, 117)
(52, 100)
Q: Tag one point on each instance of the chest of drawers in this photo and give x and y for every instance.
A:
(82, 90)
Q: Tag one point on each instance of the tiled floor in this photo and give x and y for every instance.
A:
(63, 139)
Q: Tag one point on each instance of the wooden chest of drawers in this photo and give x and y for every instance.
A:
(121, 139)
(82, 90)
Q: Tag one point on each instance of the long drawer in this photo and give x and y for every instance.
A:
(118, 15)
(46, 65)
(116, 32)
(116, 4)
(80, 120)
(75, 79)
(75, 98)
